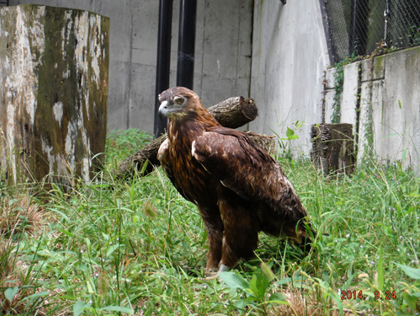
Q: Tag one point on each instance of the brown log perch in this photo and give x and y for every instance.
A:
(233, 112)
(265, 141)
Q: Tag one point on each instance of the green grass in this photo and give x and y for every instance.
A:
(116, 248)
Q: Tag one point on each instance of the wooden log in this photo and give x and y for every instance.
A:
(265, 141)
(148, 154)
(233, 112)
(53, 93)
(333, 148)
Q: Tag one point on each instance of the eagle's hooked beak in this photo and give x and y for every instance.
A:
(163, 109)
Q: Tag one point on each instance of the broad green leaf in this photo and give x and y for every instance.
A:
(111, 250)
(253, 287)
(258, 285)
(10, 293)
(411, 300)
(241, 304)
(262, 284)
(90, 286)
(284, 281)
(411, 272)
(290, 132)
(278, 298)
(234, 280)
(79, 307)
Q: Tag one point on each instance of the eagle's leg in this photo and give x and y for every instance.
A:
(214, 228)
(240, 237)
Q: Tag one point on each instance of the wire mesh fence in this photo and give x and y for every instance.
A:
(359, 27)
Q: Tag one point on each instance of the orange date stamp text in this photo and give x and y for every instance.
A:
(353, 294)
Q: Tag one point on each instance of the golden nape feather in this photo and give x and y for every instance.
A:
(238, 187)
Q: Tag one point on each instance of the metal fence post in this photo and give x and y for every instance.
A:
(163, 64)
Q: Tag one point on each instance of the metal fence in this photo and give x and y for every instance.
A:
(360, 27)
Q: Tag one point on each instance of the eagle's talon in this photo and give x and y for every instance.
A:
(212, 274)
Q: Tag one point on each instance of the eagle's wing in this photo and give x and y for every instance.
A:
(248, 170)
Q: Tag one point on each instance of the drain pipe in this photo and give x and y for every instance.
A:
(186, 43)
(163, 65)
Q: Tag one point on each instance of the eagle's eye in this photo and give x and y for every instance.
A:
(179, 100)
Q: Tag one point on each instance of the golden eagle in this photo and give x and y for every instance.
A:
(238, 187)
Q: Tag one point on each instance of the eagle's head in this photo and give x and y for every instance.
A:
(177, 102)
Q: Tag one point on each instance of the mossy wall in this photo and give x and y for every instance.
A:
(53, 96)
(382, 99)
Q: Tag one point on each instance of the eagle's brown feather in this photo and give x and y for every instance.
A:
(238, 188)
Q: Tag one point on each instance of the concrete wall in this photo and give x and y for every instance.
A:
(223, 53)
(288, 60)
(381, 98)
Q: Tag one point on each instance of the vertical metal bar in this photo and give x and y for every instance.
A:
(386, 15)
(352, 31)
(358, 27)
(163, 67)
(186, 43)
(327, 30)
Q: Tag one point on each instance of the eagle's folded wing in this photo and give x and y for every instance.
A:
(246, 169)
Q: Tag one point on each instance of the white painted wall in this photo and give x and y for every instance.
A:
(288, 60)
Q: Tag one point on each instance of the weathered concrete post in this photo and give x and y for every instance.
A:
(53, 92)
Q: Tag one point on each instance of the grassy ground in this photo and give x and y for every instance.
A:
(117, 248)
